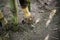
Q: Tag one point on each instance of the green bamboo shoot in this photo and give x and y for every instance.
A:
(13, 7)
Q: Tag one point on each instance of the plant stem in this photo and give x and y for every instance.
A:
(13, 6)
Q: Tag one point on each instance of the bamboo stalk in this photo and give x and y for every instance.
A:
(13, 7)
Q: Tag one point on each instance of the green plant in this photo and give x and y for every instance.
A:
(13, 7)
